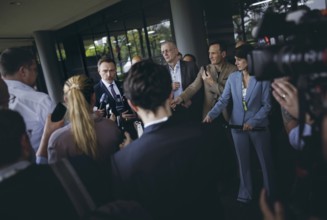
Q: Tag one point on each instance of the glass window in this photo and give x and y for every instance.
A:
(159, 28)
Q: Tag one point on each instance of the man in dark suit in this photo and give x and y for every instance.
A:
(182, 74)
(109, 91)
(27, 191)
(170, 169)
(30, 191)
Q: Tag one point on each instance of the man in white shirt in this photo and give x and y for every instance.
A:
(19, 71)
(182, 74)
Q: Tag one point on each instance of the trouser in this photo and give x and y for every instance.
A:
(261, 143)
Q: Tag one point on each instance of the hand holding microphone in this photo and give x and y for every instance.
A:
(103, 101)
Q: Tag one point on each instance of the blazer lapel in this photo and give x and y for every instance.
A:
(252, 83)
(183, 75)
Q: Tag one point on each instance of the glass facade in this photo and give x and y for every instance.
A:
(126, 29)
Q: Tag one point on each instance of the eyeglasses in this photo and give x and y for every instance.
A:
(166, 51)
(11, 99)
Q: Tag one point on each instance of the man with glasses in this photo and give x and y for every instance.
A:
(182, 75)
(19, 71)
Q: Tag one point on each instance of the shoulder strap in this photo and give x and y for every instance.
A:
(74, 188)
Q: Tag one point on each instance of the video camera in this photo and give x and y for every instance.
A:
(297, 44)
(297, 48)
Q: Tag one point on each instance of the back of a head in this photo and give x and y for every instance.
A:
(78, 92)
(12, 59)
(12, 128)
(136, 59)
(243, 50)
(148, 85)
(189, 57)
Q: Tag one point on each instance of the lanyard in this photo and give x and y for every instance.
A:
(245, 107)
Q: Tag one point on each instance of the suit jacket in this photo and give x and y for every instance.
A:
(211, 92)
(34, 193)
(257, 100)
(171, 173)
(101, 88)
(189, 72)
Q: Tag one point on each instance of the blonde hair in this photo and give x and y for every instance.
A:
(78, 92)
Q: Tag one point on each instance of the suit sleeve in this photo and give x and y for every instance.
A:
(193, 88)
(265, 108)
(223, 100)
(222, 81)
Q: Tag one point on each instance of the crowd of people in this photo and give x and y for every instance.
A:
(198, 125)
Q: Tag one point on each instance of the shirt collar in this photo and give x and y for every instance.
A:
(16, 83)
(156, 122)
(108, 84)
(176, 67)
(11, 170)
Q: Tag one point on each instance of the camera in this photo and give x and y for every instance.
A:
(297, 45)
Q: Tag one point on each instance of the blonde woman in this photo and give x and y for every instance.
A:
(86, 133)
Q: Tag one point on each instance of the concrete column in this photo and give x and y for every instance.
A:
(45, 43)
(189, 29)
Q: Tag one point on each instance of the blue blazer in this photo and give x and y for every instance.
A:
(258, 100)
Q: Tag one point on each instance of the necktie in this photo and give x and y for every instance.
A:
(113, 93)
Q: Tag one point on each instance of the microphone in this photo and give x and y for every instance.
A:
(103, 101)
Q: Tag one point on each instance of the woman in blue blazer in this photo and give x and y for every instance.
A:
(251, 106)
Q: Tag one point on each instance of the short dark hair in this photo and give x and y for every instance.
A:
(222, 45)
(243, 50)
(148, 85)
(190, 55)
(12, 128)
(106, 60)
(12, 59)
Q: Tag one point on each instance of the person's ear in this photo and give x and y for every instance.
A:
(223, 54)
(133, 107)
(22, 71)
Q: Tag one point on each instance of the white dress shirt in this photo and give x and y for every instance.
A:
(176, 76)
(33, 106)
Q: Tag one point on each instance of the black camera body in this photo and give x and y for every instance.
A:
(300, 48)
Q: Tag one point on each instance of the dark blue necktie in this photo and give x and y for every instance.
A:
(113, 93)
